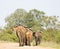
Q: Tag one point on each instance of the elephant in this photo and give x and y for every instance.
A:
(24, 35)
(28, 36)
(37, 36)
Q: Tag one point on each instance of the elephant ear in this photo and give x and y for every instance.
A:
(15, 28)
(33, 33)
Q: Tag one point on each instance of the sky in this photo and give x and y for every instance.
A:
(50, 7)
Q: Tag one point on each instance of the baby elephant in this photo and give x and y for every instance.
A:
(37, 36)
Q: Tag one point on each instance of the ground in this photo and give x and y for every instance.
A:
(11, 45)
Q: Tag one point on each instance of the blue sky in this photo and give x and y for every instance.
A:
(50, 7)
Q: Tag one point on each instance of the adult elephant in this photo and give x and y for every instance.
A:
(37, 36)
(28, 36)
(24, 34)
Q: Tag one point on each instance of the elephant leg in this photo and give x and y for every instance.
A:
(25, 41)
(39, 41)
(36, 43)
(22, 41)
(36, 40)
(28, 42)
(18, 38)
(19, 42)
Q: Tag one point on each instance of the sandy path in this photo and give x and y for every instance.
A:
(7, 45)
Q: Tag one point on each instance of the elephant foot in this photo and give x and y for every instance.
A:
(20, 45)
(29, 44)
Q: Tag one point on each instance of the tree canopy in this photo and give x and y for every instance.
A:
(33, 18)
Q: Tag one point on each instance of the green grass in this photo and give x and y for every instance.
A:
(50, 44)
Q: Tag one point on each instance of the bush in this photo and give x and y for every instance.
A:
(51, 35)
(8, 37)
(57, 37)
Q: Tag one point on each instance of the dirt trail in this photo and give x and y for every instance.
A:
(7, 45)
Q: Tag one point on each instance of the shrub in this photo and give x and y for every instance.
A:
(8, 37)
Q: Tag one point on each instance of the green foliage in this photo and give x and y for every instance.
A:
(51, 35)
(16, 18)
(57, 36)
(8, 37)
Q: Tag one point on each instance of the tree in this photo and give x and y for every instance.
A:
(16, 18)
(33, 19)
(49, 21)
